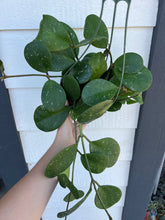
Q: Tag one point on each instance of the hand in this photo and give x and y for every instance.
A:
(66, 133)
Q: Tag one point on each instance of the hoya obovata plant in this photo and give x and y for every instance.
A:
(93, 84)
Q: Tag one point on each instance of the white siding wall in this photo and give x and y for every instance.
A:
(19, 22)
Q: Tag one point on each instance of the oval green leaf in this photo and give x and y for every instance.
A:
(71, 197)
(61, 161)
(97, 162)
(98, 64)
(71, 87)
(49, 121)
(91, 113)
(97, 91)
(109, 196)
(38, 56)
(101, 38)
(53, 34)
(53, 96)
(133, 63)
(81, 71)
(138, 82)
(107, 146)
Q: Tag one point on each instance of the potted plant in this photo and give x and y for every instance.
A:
(92, 84)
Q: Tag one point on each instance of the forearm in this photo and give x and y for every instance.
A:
(29, 197)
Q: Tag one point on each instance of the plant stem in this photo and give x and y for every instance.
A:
(90, 173)
(97, 28)
(113, 24)
(26, 75)
(124, 50)
(86, 138)
(73, 45)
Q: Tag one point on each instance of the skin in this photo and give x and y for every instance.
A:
(28, 198)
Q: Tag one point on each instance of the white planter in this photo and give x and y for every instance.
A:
(18, 26)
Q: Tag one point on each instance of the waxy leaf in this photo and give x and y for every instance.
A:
(53, 34)
(71, 87)
(53, 96)
(138, 82)
(109, 196)
(49, 121)
(98, 64)
(97, 162)
(60, 61)
(38, 56)
(107, 146)
(65, 182)
(91, 113)
(81, 71)
(71, 197)
(101, 38)
(115, 107)
(133, 63)
(76, 206)
(97, 91)
(61, 161)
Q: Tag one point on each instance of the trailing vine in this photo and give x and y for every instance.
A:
(92, 87)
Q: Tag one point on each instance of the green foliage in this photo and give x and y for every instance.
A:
(38, 56)
(106, 146)
(101, 38)
(61, 162)
(109, 196)
(90, 86)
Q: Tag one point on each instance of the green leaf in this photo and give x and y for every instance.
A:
(91, 113)
(138, 82)
(133, 63)
(53, 96)
(97, 91)
(1, 66)
(76, 206)
(65, 182)
(101, 38)
(53, 34)
(115, 107)
(49, 121)
(60, 61)
(97, 162)
(109, 196)
(71, 87)
(71, 197)
(98, 64)
(107, 146)
(61, 161)
(38, 56)
(82, 72)
(87, 41)
(135, 99)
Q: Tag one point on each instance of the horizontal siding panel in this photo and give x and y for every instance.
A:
(25, 101)
(12, 45)
(35, 144)
(16, 13)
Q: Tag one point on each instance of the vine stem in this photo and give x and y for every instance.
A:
(76, 141)
(124, 50)
(26, 75)
(90, 173)
(113, 25)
